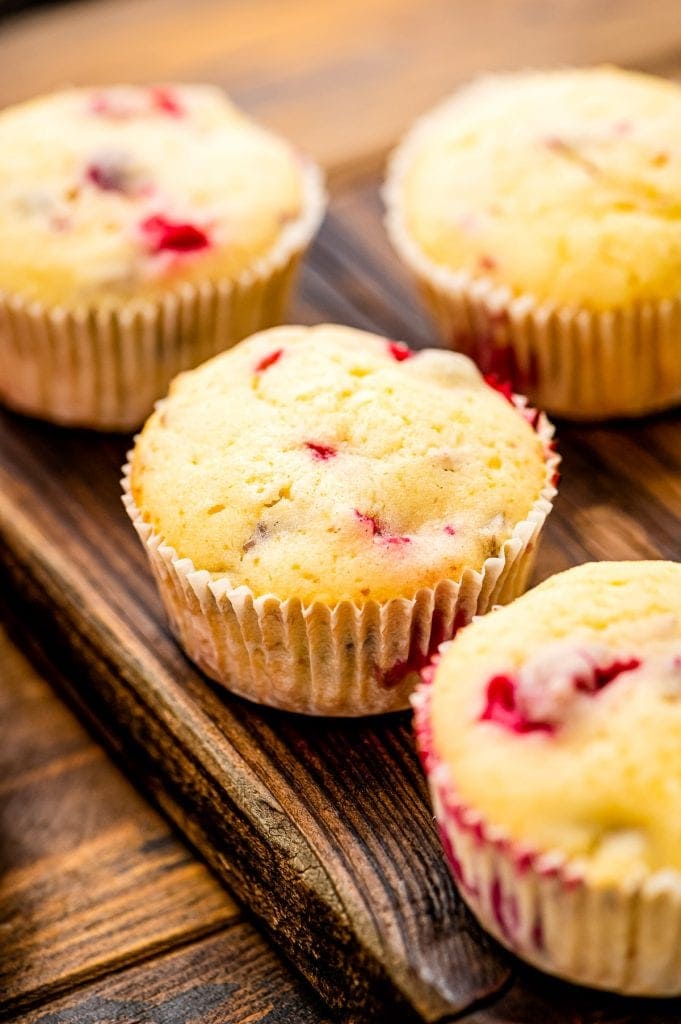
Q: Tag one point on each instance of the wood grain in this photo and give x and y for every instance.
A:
(91, 879)
(322, 827)
(230, 978)
(99, 900)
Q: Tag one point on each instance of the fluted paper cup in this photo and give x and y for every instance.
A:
(105, 369)
(542, 906)
(346, 659)
(571, 361)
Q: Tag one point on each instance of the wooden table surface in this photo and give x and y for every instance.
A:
(104, 913)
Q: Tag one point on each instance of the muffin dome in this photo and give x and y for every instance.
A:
(559, 719)
(563, 185)
(123, 192)
(328, 464)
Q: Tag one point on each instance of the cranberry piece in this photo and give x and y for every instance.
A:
(321, 451)
(487, 263)
(378, 530)
(109, 173)
(501, 707)
(607, 673)
(269, 360)
(369, 521)
(165, 101)
(399, 351)
(158, 99)
(165, 235)
(104, 104)
(502, 386)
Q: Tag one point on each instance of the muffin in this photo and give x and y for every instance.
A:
(322, 507)
(142, 229)
(539, 213)
(551, 735)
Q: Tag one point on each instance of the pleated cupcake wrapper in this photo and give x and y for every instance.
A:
(105, 369)
(570, 361)
(344, 660)
(542, 906)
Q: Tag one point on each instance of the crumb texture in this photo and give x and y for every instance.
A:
(560, 717)
(564, 185)
(326, 463)
(119, 193)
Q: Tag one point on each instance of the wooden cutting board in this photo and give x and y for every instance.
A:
(322, 827)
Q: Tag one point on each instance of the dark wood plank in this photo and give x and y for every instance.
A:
(230, 978)
(536, 998)
(91, 878)
(312, 843)
(336, 854)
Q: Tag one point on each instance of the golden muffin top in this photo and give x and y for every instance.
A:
(122, 192)
(327, 464)
(564, 185)
(559, 717)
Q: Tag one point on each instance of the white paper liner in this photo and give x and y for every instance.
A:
(105, 370)
(570, 361)
(345, 660)
(542, 907)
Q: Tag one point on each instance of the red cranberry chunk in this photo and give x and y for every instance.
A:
(544, 693)
(321, 451)
(269, 360)
(166, 101)
(109, 172)
(502, 386)
(165, 235)
(399, 351)
(369, 521)
(487, 262)
(379, 531)
(128, 103)
(501, 707)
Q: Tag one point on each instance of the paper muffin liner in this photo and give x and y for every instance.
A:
(542, 906)
(104, 369)
(571, 361)
(345, 659)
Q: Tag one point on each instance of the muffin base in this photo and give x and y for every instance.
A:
(542, 907)
(573, 362)
(105, 369)
(345, 660)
